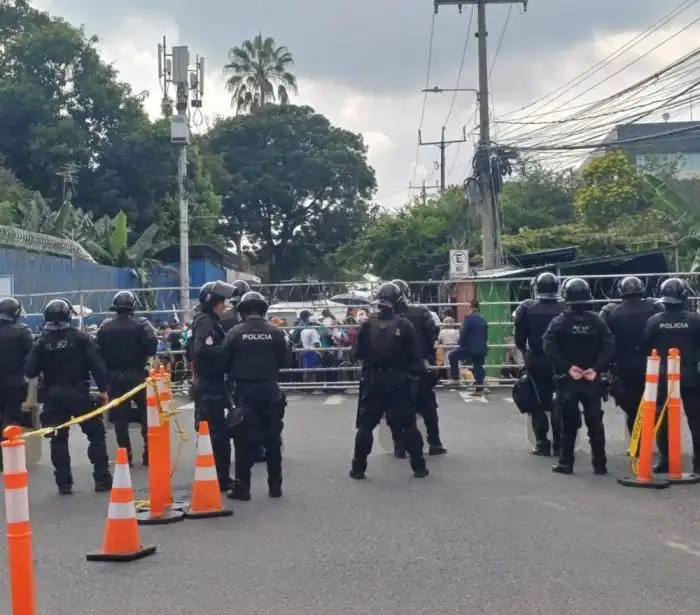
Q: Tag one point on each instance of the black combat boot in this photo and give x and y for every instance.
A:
(274, 487)
(661, 466)
(358, 469)
(239, 491)
(399, 451)
(65, 488)
(599, 461)
(103, 481)
(543, 448)
(419, 467)
(565, 465)
(226, 484)
(436, 449)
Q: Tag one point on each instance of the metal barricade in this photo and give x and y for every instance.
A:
(498, 297)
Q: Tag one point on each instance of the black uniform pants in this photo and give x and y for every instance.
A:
(121, 416)
(11, 400)
(628, 390)
(398, 405)
(60, 405)
(690, 396)
(588, 395)
(427, 406)
(210, 403)
(262, 426)
(543, 380)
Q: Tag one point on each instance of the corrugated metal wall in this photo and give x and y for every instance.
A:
(45, 275)
(201, 271)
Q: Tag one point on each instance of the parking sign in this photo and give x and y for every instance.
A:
(459, 264)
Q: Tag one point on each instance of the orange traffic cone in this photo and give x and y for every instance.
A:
(206, 496)
(121, 540)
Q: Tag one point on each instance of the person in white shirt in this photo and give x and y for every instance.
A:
(310, 356)
(448, 339)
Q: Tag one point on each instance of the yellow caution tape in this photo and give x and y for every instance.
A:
(636, 435)
(166, 416)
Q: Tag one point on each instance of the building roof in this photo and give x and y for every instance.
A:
(649, 140)
(214, 254)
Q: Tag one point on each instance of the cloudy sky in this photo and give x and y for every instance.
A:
(363, 63)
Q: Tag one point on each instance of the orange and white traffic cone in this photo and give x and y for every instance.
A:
(158, 511)
(121, 540)
(676, 475)
(206, 496)
(642, 440)
(19, 530)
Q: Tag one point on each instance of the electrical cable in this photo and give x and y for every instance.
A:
(630, 44)
(461, 67)
(425, 95)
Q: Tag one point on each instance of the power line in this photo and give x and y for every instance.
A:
(425, 95)
(575, 81)
(461, 67)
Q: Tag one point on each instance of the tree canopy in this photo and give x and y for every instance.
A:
(276, 182)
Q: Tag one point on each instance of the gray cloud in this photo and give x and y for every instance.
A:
(374, 46)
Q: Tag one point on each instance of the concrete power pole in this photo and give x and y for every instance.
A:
(442, 145)
(174, 69)
(490, 226)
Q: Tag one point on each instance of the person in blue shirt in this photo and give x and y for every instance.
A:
(473, 346)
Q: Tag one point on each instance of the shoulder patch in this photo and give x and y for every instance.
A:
(209, 341)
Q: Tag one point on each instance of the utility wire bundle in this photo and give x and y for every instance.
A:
(560, 123)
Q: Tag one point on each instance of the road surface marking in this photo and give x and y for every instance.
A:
(683, 548)
(472, 399)
(334, 400)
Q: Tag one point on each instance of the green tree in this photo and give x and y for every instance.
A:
(138, 175)
(537, 198)
(59, 103)
(611, 187)
(414, 243)
(259, 74)
(294, 185)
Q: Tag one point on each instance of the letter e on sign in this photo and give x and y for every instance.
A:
(459, 264)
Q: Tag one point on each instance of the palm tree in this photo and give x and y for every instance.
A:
(258, 74)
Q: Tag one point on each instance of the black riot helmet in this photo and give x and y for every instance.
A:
(577, 292)
(403, 287)
(546, 286)
(240, 288)
(674, 292)
(389, 296)
(10, 309)
(631, 286)
(215, 292)
(124, 302)
(252, 303)
(58, 311)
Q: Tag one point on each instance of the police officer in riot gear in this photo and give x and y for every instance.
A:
(531, 320)
(426, 332)
(230, 318)
(677, 328)
(580, 346)
(626, 320)
(66, 358)
(126, 344)
(209, 390)
(253, 353)
(387, 346)
(16, 343)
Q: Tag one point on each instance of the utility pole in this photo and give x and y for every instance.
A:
(442, 145)
(424, 189)
(174, 69)
(492, 252)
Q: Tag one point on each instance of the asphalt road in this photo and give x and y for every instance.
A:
(491, 531)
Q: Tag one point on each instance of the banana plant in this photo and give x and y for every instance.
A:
(684, 214)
